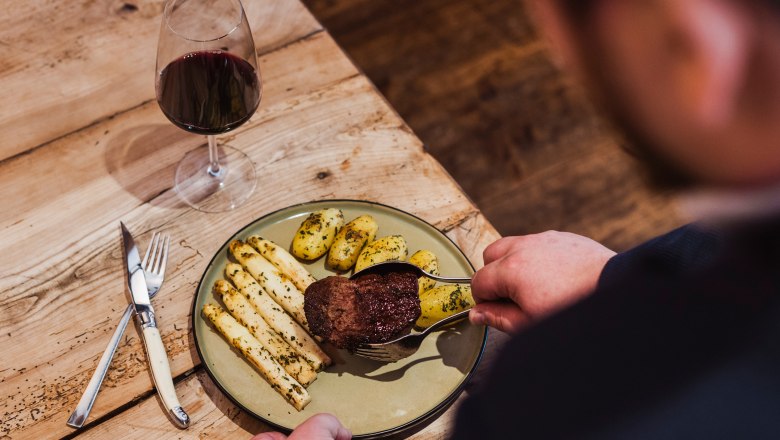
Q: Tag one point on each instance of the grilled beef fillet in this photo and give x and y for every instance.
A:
(369, 309)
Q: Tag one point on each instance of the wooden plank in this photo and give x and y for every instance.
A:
(476, 84)
(596, 193)
(119, 164)
(322, 132)
(64, 65)
(118, 161)
(211, 413)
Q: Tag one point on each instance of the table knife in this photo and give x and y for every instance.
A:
(155, 350)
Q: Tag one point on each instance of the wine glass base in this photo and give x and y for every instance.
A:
(221, 191)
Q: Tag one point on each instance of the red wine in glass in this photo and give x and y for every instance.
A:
(208, 92)
(208, 83)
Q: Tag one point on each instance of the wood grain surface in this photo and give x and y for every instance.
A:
(90, 147)
(476, 83)
(87, 146)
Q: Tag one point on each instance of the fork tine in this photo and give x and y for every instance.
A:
(149, 248)
(384, 358)
(159, 253)
(164, 259)
(153, 256)
(364, 352)
(377, 355)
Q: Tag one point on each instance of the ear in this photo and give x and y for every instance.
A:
(710, 72)
(554, 32)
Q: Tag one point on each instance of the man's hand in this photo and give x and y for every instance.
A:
(316, 427)
(531, 276)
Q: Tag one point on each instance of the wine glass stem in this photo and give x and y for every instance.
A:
(214, 168)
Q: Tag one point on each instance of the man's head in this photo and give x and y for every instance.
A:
(694, 83)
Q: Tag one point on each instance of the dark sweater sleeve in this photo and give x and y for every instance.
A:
(686, 248)
(656, 352)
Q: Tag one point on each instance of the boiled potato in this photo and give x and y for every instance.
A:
(349, 241)
(443, 301)
(316, 233)
(392, 247)
(427, 261)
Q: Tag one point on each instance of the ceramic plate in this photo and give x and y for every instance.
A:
(373, 399)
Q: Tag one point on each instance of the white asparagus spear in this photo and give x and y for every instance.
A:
(280, 321)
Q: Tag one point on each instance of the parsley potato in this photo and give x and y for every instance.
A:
(281, 322)
(283, 260)
(349, 241)
(316, 234)
(391, 247)
(281, 289)
(258, 356)
(443, 301)
(427, 261)
(283, 353)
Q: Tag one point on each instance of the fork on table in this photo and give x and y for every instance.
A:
(154, 262)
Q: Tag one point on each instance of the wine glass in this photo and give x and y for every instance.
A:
(208, 83)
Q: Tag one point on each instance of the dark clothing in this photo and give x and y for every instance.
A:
(681, 340)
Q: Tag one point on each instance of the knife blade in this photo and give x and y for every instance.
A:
(155, 350)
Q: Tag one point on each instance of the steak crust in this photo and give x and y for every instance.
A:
(372, 308)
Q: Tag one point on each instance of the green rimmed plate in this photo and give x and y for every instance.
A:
(372, 399)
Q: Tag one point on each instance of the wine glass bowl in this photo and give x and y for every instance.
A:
(208, 83)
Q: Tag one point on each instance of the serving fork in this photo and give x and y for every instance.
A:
(154, 263)
(406, 345)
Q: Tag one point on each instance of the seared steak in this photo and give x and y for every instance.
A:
(369, 309)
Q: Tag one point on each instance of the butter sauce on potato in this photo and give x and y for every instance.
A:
(392, 247)
(443, 301)
(349, 241)
(316, 233)
(427, 261)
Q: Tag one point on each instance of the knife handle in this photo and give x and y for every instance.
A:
(161, 375)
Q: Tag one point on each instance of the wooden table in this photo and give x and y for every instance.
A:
(86, 145)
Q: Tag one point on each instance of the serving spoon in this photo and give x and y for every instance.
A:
(406, 345)
(403, 266)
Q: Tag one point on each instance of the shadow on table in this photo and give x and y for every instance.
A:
(143, 160)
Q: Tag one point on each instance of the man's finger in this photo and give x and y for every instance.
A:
(497, 249)
(321, 427)
(504, 316)
(490, 282)
(269, 436)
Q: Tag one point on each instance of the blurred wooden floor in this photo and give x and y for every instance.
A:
(474, 82)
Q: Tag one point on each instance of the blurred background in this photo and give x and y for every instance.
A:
(475, 82)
